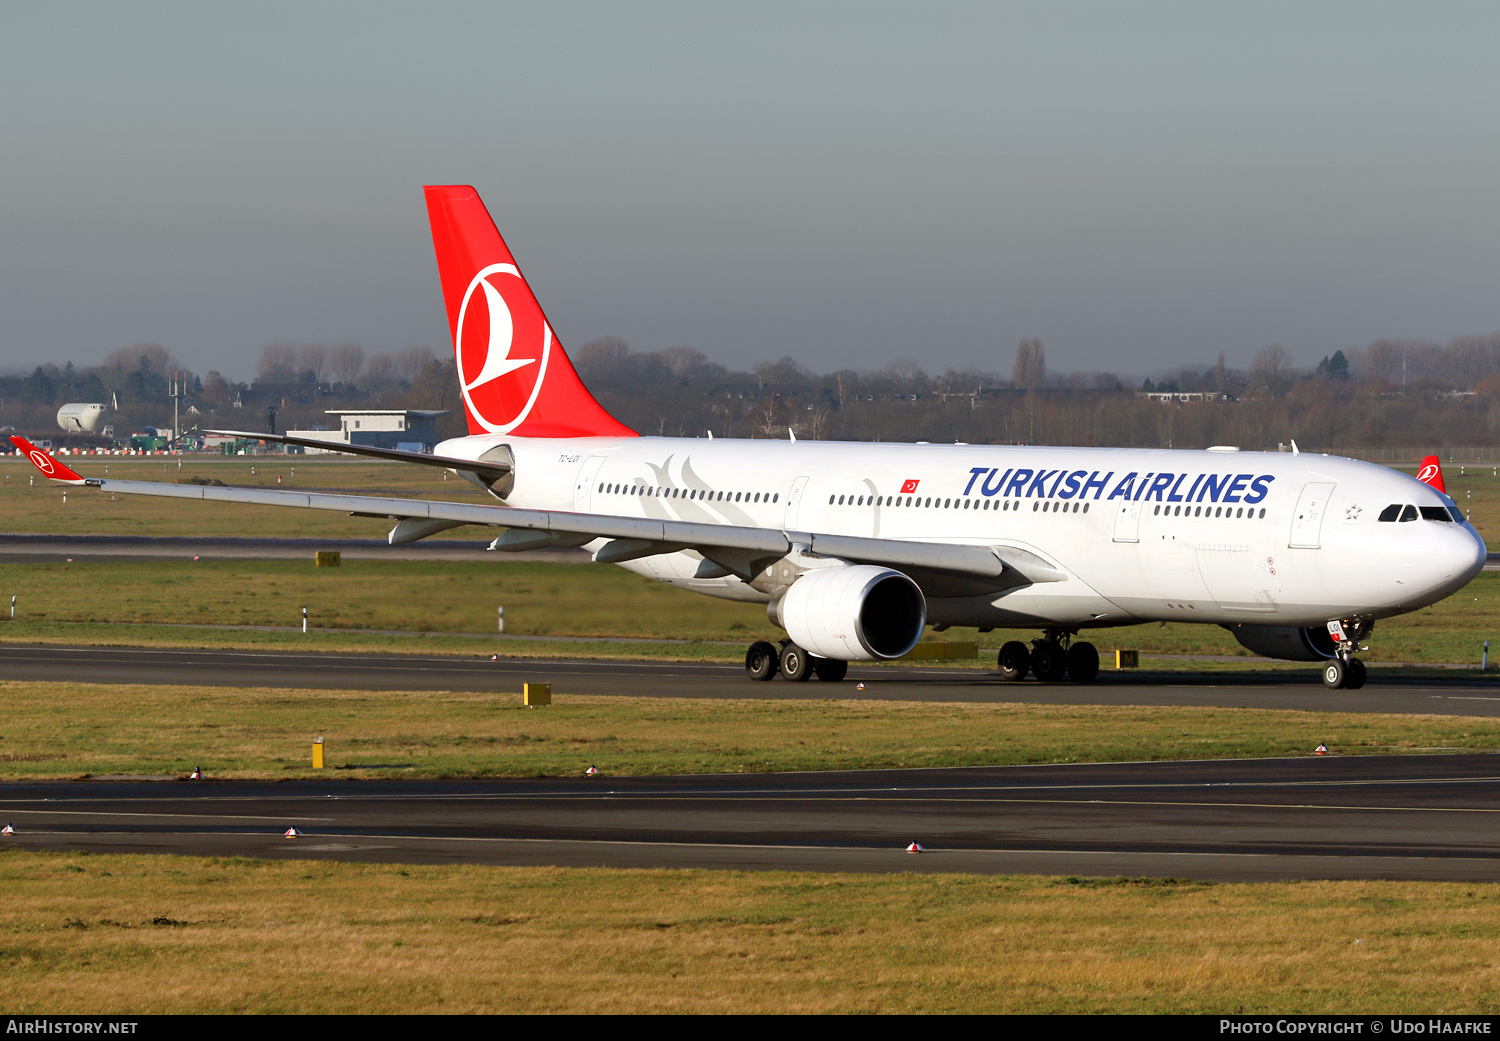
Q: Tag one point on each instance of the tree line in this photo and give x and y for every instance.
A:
(1392, 392)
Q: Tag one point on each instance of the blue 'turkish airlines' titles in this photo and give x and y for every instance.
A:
(1132, 487)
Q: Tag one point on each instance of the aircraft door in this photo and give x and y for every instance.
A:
(1128, 522)
(583, 489)
(1307, 519)
(794, 502)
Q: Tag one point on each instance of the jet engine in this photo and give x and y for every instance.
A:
(1289, 643)
(856, 613)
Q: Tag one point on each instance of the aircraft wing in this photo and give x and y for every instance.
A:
(492, 470)
(728, 549)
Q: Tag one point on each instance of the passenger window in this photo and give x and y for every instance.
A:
(1436, 513)
(1408, 513)
(1391, 512)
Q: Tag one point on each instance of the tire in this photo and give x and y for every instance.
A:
(1356, 677)
(1014, 661)
(830, 670)
(1335, 675)
(761, 661)
(796, 664)
(1083, 662)
(1049, 662)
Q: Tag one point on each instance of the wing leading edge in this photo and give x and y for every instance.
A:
(737, 549)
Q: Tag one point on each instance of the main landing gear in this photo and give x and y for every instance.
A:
(763, 661)
(1344, 671)
(1051, 658)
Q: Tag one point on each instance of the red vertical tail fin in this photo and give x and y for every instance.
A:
(515, 376)
(1431, 472)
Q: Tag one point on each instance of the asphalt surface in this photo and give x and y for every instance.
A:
(1411, 817)
(1461, 693)
(30, 548)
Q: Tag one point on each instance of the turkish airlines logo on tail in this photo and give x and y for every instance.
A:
(1431, 473)
(502, 344)
(910, 486)
(39, 458)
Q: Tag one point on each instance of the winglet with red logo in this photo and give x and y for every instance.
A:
(514, 375)
(42, 461)
(1431, 473)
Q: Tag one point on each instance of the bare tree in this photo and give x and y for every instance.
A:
(682, 362)
(412, 362)
(1031, 365)
(817, 421)
(1271, 371)
(605, 358)
(345, 362)
(278, 363)
(312, 358)
(767, 416)
(381, 372)
(144, 357)
(215, 390)
(436, 386)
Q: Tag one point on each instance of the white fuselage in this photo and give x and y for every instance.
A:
(1142, 535)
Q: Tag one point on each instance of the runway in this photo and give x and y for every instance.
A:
(25, 548)
(1463, 693)
(1411, 817)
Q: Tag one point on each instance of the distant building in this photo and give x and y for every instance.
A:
(413, 430)
(1168, 396)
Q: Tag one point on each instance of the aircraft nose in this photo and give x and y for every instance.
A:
(1461, 556)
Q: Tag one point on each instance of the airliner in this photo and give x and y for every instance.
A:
(855, 549)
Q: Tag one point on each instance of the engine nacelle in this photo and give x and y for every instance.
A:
(1290, 643)
(855, 613)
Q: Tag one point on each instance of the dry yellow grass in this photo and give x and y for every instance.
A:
(158, 934)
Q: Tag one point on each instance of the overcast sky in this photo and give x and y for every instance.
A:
(1138, 185)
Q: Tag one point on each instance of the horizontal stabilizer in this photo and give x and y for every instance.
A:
(493, 470)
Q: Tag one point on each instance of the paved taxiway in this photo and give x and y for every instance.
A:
(1463, 693)
(23, 548)
(1413, 817)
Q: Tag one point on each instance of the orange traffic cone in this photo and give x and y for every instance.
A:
(1321, 750)
(7, 830)
(914, 848)
(591, 771)
(197, 774)
(859, 686)
(293, 833)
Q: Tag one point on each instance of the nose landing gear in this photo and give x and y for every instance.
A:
(1344, 674)
(1344, 671)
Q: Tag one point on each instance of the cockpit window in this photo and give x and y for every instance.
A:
(1391, 512)
(1437, 513)
(1458, 515)
(1408, 513)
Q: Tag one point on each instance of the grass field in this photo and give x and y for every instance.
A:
(116, 934)
(39, 508)
(59, 730)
